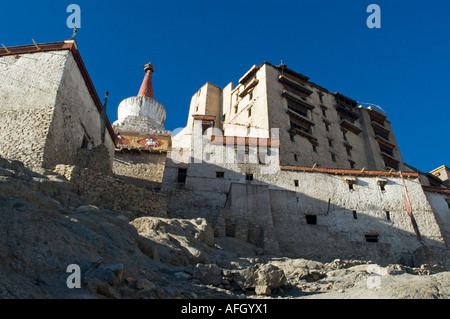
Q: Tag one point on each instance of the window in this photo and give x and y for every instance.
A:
(314, 148)
(220, 174)
(352, 164)
(355, 215)
(206, 125)
(382, 134)
(330, 142)
(382, 187)
(182, 174)
(371, 238)
(298, 108)
(320, 96)
(235, 109)
(292, 137)
(249, 112)
(324, 112)
(249, 177)
(388, 215)
(296, 157)
(349, 152)
(350, 186)
(311, 219)
(344, 135)
(327, 127)
(296, 183)
(301, 126)
(250, 96)
(386, 150)
(333, 158)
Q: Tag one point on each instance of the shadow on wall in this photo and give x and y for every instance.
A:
(240, 203)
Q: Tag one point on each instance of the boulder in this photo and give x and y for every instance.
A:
(209, 274)
(260, 275)
(175, 241)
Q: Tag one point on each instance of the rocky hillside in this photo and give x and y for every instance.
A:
(45, 226)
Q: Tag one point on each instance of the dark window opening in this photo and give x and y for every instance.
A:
(296, 183)
(315, 149)
(388, 215)
(382, 187)
(292, 138)
(182, 174)
(220, 174)
(355, 215)
(296, 157)
(330, 142)
(248, 177)
(344, 135)
(371, 238)
(249, 112)
(384, 135)
(302, 127)
(377, 120)
(387, 150)
(298, 108)
(327, 127)
(324, 112)
(352, 164)
(350, 186)
(333, 157)
(320, 94)
(206, 125)
(311, 219)
(349, 152)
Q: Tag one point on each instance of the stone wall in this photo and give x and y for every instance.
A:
(271, 210)
(28, 90)
(111, 192)
(46, 109)
(440, 203)
(145, 166)
(76, 116)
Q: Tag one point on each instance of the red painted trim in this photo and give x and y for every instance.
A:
(347, 171)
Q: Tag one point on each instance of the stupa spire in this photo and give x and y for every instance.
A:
(147, 84)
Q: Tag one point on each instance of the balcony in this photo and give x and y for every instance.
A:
(299, 117)
(378, 127)
(296, 99)
(248, 87)
(298, 130)
(383, 141)
(390, 161)
(296, 87)
(347, 125)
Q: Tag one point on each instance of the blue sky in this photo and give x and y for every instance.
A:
(403, 67)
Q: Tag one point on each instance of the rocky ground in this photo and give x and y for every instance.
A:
(45, 226)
